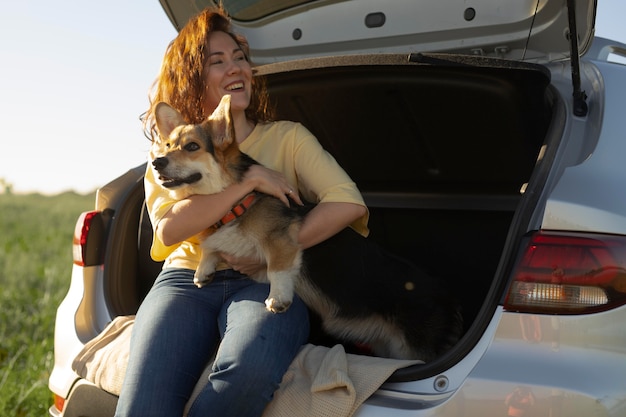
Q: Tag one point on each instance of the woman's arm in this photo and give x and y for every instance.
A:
(327, 219)
(324, 221)
(197, 213)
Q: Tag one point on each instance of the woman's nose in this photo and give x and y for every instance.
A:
(234, 67)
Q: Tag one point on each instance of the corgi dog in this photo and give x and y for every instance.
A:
(360, 292)
(205, 159)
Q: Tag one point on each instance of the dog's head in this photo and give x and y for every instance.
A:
(192, 159)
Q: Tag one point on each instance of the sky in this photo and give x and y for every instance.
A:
(74, 78)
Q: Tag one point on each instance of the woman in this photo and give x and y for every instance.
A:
(179, 327)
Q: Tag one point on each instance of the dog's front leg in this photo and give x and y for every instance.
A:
(206, 267)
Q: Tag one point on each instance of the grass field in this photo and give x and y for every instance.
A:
(35, 265)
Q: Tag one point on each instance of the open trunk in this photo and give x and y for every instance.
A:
(444, 148)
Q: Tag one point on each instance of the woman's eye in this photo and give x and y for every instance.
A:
(192, 146)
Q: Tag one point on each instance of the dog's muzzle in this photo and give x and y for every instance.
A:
(161, 163)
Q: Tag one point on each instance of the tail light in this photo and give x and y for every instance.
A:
(88, 239)
(59, 402)
(569, 273)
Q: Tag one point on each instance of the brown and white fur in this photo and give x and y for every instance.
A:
(361, 293)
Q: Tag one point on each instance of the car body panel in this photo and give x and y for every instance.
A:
(512, 29)
(574, 366)
(585, 197)
(84, 312)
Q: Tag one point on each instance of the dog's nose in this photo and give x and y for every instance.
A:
(159, 163)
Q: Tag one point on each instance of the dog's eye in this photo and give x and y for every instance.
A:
(192, 146)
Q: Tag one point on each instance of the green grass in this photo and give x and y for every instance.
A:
(35, 266)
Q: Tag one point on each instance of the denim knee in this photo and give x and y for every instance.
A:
(257, 348)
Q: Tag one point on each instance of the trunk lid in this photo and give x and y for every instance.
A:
(529, 30)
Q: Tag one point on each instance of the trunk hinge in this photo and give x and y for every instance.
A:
(580, 103)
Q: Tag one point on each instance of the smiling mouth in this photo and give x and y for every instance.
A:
(235, 86)
(175, 182)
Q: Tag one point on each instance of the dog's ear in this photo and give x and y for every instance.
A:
(167, 118)
(221, 122)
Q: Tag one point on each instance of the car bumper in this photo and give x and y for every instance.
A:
(569, 365)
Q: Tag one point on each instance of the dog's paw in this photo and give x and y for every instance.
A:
(276, 305)
(202, 280)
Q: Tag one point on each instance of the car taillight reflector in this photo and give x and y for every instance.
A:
(88, 238)
(59, 402)
(569, 273)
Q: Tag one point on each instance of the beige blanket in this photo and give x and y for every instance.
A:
(320, 382)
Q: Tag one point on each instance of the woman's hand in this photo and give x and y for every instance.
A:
(272, 182)
(249, 266)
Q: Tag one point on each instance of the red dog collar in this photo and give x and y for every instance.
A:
(236, 211)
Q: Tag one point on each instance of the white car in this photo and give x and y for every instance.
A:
(488, 139)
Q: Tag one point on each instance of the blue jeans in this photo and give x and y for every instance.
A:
(177, 331)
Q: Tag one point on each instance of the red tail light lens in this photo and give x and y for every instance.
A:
(59, 402)
(88, 239)
(569, 273)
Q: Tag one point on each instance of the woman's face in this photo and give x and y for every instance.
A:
(227, 72)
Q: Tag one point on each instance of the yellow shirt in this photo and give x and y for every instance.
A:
(287, 147)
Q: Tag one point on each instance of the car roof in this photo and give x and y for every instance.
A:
(529, 30)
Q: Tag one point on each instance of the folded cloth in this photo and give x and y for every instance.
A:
(327, 382)
(103, 359)
(320, 381)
